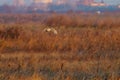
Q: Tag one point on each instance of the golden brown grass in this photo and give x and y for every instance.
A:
(87, 47)
(56, 66)
(78, 40)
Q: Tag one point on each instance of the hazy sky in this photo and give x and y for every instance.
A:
(112, 2)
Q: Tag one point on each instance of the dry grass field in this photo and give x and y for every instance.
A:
(87, 47)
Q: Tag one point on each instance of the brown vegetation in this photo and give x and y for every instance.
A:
(87, 47)
(89, 40)
(58, 66)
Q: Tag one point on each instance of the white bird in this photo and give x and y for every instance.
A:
(98, 12)
(51, 30)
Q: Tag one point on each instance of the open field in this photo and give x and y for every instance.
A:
(87, 47)
(59, 66)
